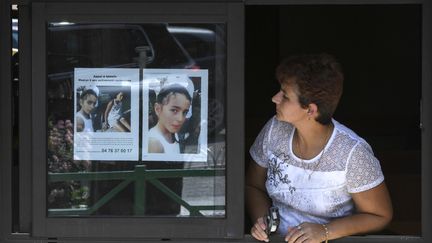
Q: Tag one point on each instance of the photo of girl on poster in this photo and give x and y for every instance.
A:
(87, 103)
(175, 115)
(115, 115)
(106, 108)
(103, 109)
(171, 107)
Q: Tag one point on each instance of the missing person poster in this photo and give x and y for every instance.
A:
(106, 114)
(174, 115)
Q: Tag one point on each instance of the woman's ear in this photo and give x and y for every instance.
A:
(312, 110)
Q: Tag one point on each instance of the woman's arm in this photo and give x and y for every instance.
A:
(257, 199)
(373, 212)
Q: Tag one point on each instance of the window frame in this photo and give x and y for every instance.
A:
(5, 124)
(124, 227)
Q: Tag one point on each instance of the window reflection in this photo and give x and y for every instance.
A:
(90, 187)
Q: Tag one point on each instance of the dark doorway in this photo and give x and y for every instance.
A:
(379, 47)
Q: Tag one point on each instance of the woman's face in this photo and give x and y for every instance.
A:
(88, 103)
(173, 114)
(288, 108)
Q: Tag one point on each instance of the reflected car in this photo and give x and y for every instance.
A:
(72, 45)
(203, 44)
(207, 48)
(14, 36)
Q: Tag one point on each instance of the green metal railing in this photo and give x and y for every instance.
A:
(140, 176)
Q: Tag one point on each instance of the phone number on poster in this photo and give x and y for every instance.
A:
(116, 150)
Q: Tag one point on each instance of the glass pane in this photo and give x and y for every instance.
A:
(136, 120)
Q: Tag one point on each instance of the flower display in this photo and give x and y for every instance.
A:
(64, 194)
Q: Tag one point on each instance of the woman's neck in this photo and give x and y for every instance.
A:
(309, 140)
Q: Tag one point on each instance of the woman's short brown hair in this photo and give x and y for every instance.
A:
(318, 79)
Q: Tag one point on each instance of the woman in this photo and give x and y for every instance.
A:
(87, 101)
(172, 105)
(113, 115)
(323, 177)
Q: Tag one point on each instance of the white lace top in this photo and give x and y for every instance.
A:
(309, 190)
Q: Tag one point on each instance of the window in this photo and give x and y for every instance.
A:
(136, 126)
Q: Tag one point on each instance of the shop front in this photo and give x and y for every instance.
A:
(131, 122)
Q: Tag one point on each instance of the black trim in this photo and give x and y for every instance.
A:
(6, 120)
(235, 120)
(330, 2)
(25, 144)
(246, 239)
(38, 124)
(426, 120)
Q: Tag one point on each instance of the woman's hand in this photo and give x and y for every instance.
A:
(306, 232)
(258, 230)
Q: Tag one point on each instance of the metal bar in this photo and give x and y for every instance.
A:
(38, 136)
(184, 173)
(175, 197)
(118, 175)
(330, 2)
(209, 207)
(140, 190)
(109, 196)
(140, 175)
(68, 211)
(5, 121)
(235, 122)
(427, 121)
(93, 176)
(25, 118)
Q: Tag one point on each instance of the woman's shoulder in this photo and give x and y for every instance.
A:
(347, 136)
(345, 131)
(276, 134)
